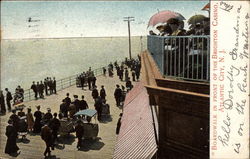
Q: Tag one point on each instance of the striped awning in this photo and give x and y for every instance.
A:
(137, 137)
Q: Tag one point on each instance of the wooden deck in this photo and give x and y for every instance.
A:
(102, 148)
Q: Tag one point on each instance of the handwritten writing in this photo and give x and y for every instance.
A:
(226, 130)
(225, 6)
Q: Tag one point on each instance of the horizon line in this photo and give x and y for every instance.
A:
(74, 37)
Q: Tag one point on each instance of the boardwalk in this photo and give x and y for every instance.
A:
(101, 148)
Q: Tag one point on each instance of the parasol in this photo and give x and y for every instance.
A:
(163, 17)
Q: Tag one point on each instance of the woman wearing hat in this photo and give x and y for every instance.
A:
(11, 133)
(30, 120)
(37, 125)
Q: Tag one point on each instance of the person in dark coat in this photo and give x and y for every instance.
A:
(21, 113)
(76, 102)
(38, 117)
(2, 102)
(34, 88)
(15, 119)
(64, 108)
(123, 95)
(83, 104)
(137, 72)
(98, 107)
(79, 133)
(82, 79)
(48, 116)
(126, 74)
(11, 133)
(129, 85)
(41, 89)
(68, 101)
(46, 135)
(133, 75)
(50, 85)
(104, 71)
(118, 124)
(95, 93)
(54, 125)
(89, 81)
(38, 89)
(8, 98)
(121, 73)
(93, 81)
(103, 92)
(118, 94)
(54, 85)
(46, 86)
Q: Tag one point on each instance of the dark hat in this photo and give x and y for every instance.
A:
(10, 121)
(173, 21)
(75, 96)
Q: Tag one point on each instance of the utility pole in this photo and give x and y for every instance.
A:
(128, 19)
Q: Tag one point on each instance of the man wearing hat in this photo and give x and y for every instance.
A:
(15, 119)
(77, 103)
(95, 93)
(11, 133)
(83, 104)
(46, 135)
(175, 27)
(118, 95)
(8, 98)
(48, 116)
(54, 125)
(34, 88)
(79, 133)
(102, 92)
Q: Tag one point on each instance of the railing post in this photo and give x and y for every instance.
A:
(162, 52)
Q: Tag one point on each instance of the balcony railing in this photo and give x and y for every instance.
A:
(185, 57)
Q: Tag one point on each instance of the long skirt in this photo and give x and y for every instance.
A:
(11, 146)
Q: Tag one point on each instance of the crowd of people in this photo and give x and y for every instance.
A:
(86, 78)
(48, 124)
(48, 86)
(175, 27)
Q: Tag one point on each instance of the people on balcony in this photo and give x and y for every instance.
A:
(176, 27)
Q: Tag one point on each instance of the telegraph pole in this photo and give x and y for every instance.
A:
(128, 19)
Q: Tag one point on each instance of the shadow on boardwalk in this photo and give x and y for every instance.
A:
(91, 144)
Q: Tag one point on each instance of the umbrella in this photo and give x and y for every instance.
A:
(87, 112)
(163, 17)
(196, 19)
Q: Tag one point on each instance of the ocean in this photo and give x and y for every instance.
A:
(24, 61)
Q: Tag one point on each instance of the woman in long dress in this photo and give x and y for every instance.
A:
(30, 120)
(37, 126)
(11, 133)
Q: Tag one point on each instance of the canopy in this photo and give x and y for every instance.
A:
(87, 112)
(136, 138)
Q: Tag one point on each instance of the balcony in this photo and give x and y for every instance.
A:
(181, 57)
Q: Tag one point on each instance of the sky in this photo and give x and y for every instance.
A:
(58, 19)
